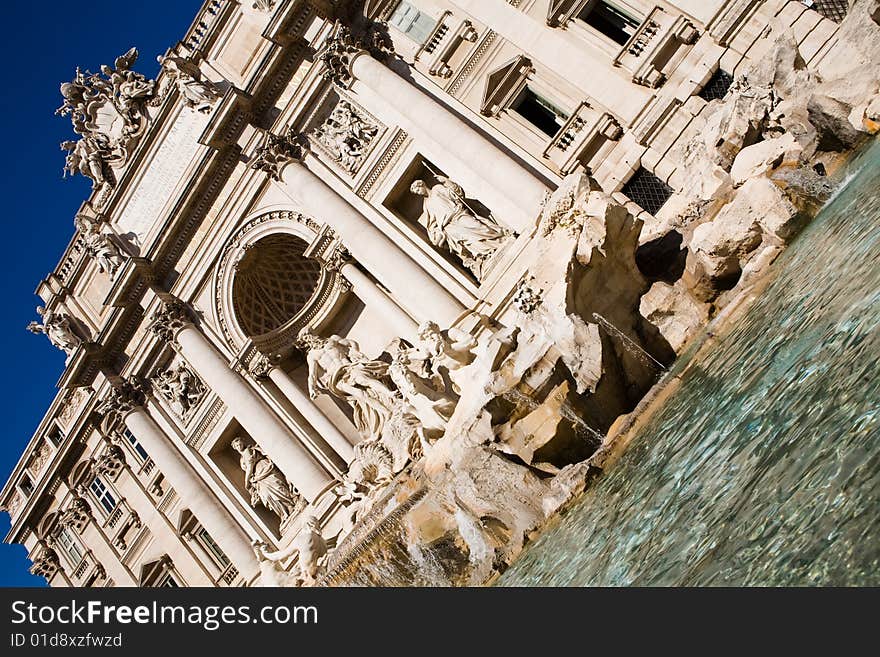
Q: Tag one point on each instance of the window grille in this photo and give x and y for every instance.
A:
(717, 86)
(834, 10)
(647, 191)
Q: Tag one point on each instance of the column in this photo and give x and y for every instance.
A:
(313, 415)
(268, 431)
(507, 182)
(193, 491)
(367, 291)
(394, 268)
(570, 59)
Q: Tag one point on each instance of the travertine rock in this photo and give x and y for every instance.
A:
(830, 117)
(674, 312)
(758, 159)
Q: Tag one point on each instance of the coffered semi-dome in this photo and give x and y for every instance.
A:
(273, 283)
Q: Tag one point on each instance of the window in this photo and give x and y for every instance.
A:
(612, 21)
(136, 446)
(55, 436)
(69, 546)
(102, 495)
(211, 547)
(412, 22)
(539, 111)
(27, 487)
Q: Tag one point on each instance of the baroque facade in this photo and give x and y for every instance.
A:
(302, 229)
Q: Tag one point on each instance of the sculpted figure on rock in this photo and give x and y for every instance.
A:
(337, 366)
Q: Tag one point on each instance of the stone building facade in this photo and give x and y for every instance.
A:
(354, 171)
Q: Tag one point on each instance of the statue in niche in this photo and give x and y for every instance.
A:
(58, 328)
(265, 482)
(346, 135)
(99, 245)
(337, 366)
(446, 351)
(452, 225)
(197, 92)
(181, 387)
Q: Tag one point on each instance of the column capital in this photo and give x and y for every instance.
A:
(125, 396)
(261, 365)
(277, 151)
(172, 316)
(341, 49)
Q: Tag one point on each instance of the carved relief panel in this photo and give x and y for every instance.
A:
(347, 134)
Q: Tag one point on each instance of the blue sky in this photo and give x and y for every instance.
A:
(44, 43)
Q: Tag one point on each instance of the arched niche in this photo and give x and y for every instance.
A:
(272, 281)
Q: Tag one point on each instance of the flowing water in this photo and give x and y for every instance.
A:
(763, 468)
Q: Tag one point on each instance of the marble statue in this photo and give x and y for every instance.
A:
(310, 548)
(99, 245)
(447, 352)
(181, 387)
(265, 482)
(346, 135)
(428, 400)
(58, 328)
(337, 366)
(107, 110)
(197, 92)
(452, 225)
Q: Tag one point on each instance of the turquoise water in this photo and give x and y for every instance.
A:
(764, 467)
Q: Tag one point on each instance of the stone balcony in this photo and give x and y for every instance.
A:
(654, 46)
(581, 137)
(443, 49)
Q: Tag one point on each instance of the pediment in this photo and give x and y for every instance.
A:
(504, 83)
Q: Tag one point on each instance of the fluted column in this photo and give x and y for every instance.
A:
(419, 293)
(307, 408)
(268, 431)
(521, 192)
(187, 483)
